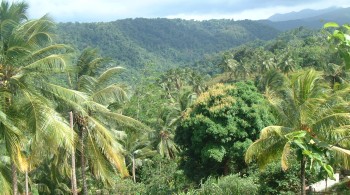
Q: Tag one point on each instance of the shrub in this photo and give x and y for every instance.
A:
(231, 184)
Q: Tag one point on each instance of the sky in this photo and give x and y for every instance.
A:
(111, 10)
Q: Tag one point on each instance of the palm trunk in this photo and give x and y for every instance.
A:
(302, 175)
(14, 178)
(27, 186)
(133, 168)
(74, 177)
(82, 160)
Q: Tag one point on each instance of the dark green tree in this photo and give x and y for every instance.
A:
(218, 128)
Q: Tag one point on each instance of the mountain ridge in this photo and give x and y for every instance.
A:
(338, 15)
(302, 14)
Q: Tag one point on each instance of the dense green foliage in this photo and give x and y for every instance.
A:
(167, 43)
(203, 122)
(218, 128)
(231, 184)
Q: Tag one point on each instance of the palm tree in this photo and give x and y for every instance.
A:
(101, 90)
(306, 106)
(168, 117)
(98, 127)
(334, 74)
(104, 93)
(268, 64)
(242, 70)
(138, 149)
(288, 65)
(28, 54)
(229, 64)
(271, 82)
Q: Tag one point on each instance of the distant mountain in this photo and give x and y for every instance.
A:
(165, 43)
(306, 13)
(313, 19)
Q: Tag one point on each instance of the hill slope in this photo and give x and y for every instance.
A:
(164, 42)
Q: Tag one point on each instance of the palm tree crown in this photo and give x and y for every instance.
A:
(306, 107)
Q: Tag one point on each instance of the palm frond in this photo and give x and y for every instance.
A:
(87, 84)
(328, 123)
(5, 180)
(273, 151)
(285, 156)
(342, 155)
(121, 121)
(52, 63)
(45, 51)
(270, 131)
(9, 124)
(100, 167)
(108, 74)
(46, 123)
(269, 147)
(111, 94)
(110, 148)
(71, 97)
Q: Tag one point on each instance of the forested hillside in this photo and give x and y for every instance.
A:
(252, 112)
(164, 42)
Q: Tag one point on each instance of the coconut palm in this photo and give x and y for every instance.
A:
(229, 64)
(104, 93)
(271, 81)
(305, 107)
(99, 129)
(165, 132)
(138, 149)
(287, 65)
(27, 55)
(334, 74)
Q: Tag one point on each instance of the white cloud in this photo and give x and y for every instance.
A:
(260, 13)
(109, 10)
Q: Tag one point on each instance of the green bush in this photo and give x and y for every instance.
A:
(161, 176)
(127, 186)
(231, 184)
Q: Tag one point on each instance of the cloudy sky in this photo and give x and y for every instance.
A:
(110, 10)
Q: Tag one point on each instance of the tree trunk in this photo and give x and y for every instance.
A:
(133, 168)
(82, 160)
(27, 186)
(14, 178)
(74, 177)
(302, 175)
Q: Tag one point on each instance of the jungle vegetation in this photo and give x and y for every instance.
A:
(226, 110)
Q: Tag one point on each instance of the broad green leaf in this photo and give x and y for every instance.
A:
(329, 171)
(296, 134)
(330, 25)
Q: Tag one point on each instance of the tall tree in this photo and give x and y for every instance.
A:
(138, 148)
(217, 129)
(28, 54)
(99, 129)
